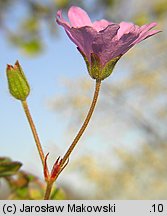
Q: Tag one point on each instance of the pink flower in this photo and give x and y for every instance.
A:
(102, 43)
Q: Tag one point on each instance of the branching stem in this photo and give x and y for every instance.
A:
(64, 160)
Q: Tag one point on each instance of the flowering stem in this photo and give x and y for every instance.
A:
(64, 160)
(34, 131)
(85, 124)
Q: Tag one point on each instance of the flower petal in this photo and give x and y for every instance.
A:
(129, 40)
(61, 21)
(104, 43)
(145, 32)
(101, 24)
(124, 44)
(78, 17)
(83, 38)
(125, 28)
(147, 27)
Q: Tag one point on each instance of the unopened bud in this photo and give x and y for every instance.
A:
(17, 82)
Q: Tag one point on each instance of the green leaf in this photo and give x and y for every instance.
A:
(32, 47)
(8, 167)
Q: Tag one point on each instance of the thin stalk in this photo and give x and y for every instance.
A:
(48, 190)
(75, 141)
(34, 131)
(85, 124)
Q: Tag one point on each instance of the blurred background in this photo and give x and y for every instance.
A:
(123, 153)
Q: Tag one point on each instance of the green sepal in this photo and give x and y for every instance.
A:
(17, 82)
(108, 68)
(95, 68)
(86, 60)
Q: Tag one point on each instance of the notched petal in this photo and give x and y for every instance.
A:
(101, 24)
(61, 21)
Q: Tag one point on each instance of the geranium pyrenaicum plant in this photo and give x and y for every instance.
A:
(102, 42)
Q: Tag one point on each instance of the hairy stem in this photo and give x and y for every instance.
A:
(34, 131)
(85, 124)
(48, 190)
(64, 160)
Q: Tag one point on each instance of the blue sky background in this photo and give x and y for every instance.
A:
(43, 73)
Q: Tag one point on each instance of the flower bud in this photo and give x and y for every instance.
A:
(17, 82)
